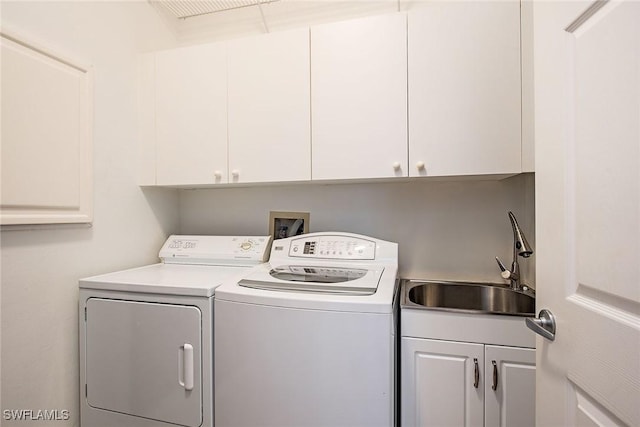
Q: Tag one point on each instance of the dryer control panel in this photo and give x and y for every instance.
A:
(215, 250)
(330, 247)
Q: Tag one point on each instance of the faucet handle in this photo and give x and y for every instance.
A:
(506, 274)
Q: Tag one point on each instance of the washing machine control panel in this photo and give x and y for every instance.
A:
(214, 249)
(332, 247)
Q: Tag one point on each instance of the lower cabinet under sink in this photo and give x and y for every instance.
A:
(463, 369)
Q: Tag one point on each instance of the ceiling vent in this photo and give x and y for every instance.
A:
(183, 9)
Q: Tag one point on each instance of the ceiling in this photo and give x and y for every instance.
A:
(197, 21)
(183, 9)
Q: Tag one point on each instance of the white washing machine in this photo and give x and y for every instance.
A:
(146, 334)
(308, 339)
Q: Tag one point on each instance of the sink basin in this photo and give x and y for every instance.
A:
(468, 297)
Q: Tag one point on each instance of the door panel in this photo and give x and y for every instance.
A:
(138, 356)
(46, 134)
(438, 383)
(588, 413)
(191, 115)
(269, 108)
(359, 98)
(606, 151)
(587, 110)
(512, 403)
(464, 88)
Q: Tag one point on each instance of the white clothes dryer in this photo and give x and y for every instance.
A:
(146, 334)
(309, 338)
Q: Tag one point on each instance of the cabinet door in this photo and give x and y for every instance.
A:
(511, 372)
(359, 98)
(442, 383)
(269, 117)
(464, 88)
(191, 115)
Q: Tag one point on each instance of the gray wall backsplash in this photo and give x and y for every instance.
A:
(449, 230)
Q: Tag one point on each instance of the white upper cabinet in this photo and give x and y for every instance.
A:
(435, 91)
(464, 88)
(191, 115)
(269, 117)
(359, 98)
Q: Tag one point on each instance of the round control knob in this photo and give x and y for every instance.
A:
(396, 166)
(420, 165)
(217, 174)
(235, 173)
(245, 246)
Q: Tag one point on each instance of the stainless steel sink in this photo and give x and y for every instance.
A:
(467, 297)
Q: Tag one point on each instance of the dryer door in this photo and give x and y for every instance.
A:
(144, 359)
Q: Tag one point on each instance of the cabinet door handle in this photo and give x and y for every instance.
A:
(476, 373)
(495, 375)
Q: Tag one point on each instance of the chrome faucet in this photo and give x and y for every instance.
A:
(520, 247)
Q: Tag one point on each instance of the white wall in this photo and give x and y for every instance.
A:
(446, 230)
(40, 267)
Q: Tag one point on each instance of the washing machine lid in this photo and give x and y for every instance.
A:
(318, 278)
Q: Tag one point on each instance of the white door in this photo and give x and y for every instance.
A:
(510, 386)
(144, 359)
(359, 98)
(587, 94)
(191, 115)
(442, 383)
(269, 108)
(464, 88)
